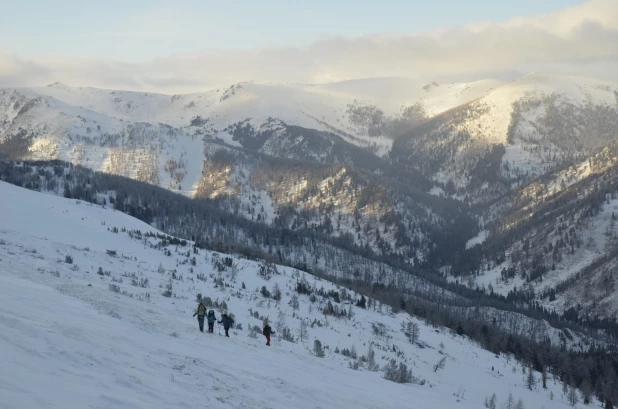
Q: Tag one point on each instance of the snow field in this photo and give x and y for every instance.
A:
(67, 341)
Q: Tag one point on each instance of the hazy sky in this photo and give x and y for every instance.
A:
(185, 46)
(140, 30)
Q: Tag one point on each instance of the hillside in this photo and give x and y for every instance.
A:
(481, 150)
(407, 173)
(555, 239)
(118, 298)
(465, 137)
(171, 142)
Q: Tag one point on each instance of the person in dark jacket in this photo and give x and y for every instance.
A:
(227, 322)
(267, 331)
(211, 321)
(201, 314)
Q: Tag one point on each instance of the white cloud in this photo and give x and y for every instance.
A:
(581, 40)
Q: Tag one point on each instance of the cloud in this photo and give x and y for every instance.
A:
(580, 40)
(13, 69)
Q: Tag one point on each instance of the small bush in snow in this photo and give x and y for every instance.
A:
(294, 302)
(68, 259)
(268, 270)
(302, 287)
(316, 322)
(379, 329)
(398, 373)
(572, 396)
(142, 282)
(114, 288)
(143, 297)
(350, 353)
(287, 335)
(490, 403)
(303, 333)
(168, 290)
(371, 360)
(276, 293)
(440, 364)
(317, 348)
(411, 330)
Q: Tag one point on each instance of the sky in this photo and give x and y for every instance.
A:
(186, 46)
(140, 30)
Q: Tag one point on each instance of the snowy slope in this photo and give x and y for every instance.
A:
(143, 135)
(539, 121)
(140, 150)
(291, 103)
(577, 91)
(67, 341)
(67, 121)
(543, 119)
(391, 93)
(570, 228)
(321, 107)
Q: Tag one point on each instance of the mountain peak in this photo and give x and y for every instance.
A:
(431, 86)
(58, 85)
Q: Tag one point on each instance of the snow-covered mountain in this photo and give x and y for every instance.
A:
(513, 134)
(537, 120)
(143, 135)
(554, 240)
(306, 105)
(97, 311)
(408, 170)
(108, 131)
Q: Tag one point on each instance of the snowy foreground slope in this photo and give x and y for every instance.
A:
(68, 341)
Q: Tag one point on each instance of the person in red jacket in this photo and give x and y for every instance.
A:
(267, 331)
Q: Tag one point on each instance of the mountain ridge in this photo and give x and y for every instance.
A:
(481, 153)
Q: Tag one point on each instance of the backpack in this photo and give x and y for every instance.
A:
(201, 310)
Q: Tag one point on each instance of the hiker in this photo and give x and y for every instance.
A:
(201, 314)
(227, 322)
(211, 321)
(267, 331)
